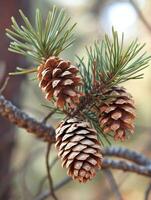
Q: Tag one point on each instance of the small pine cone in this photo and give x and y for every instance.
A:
(59, 80)
(118, 115)
(79, 149)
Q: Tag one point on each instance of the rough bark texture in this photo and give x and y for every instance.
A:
(8, 62)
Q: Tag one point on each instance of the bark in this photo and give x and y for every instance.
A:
(8, 62)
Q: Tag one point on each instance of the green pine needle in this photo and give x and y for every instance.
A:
(113, 61)
(93, 119)
(21, 71)
(42, 40)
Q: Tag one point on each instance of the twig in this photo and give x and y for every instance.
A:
(21, 119)
(141, 16)
(46, 194)
(53, 162)
(49, 174)
(113, 184)
(47, 133)
(107, 164)
(21, 169)
(49, 115)
(25, 168)
(45, 177)
(40, 185)
(127, 167)
(127, 154)
(147, 193)
(4, 85)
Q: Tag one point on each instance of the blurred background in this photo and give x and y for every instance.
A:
(22, 157)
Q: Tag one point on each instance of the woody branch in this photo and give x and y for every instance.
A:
(133, 161)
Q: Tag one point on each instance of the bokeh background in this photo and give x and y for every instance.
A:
(22, 157)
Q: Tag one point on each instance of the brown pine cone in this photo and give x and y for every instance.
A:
(118, 116)
(59, 80)
(79, 149)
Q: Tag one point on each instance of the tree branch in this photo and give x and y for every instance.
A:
(21, 119)
(49, 174)
(130, 155)
(107, 164)
(113, 184)
(127, 167)
(47, 133)
(45, 177)
(46, 194)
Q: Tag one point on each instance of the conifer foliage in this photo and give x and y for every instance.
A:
(96, 107)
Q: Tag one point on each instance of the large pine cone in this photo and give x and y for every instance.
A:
(59, 80)
(118, 116)
(79, 149)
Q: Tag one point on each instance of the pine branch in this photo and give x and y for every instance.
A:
(112, 63)
(126, 154)
(127, 167)
(16, 116)
(21, 119)
(42, 40)
(107, 164)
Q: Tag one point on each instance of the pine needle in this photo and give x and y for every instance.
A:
(43, 39)
(114, 62)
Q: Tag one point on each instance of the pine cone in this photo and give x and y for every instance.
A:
(59, 80)
(79, 149)
(118, 116)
